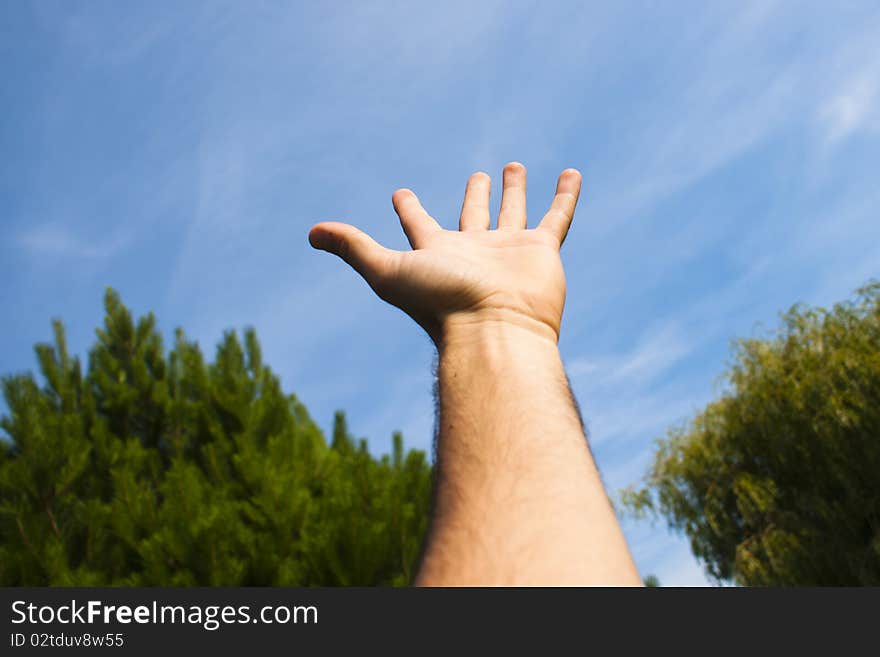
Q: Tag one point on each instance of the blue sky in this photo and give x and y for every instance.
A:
(180, 151)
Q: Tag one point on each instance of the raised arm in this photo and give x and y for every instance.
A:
(518, 498)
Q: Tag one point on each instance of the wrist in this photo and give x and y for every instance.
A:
(496, 327)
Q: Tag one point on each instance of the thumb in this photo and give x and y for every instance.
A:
(366, 256)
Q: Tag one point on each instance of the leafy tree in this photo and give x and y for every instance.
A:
(163, 469)
(651, 582)
(778, 481)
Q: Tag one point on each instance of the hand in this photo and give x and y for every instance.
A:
(472, 275)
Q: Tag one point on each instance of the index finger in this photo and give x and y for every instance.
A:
(561, 212)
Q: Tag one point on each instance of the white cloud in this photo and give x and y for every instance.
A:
(658, 350)
(108, 38)
(853, 108)
(55, 240)
(631, 394)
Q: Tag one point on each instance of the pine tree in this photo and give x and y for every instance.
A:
(155, 468)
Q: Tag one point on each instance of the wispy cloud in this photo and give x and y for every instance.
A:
(657, 350)
(108, 38)
(853, 108)
(57, 241)
(633, 395)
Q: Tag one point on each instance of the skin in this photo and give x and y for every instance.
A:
(518, 497)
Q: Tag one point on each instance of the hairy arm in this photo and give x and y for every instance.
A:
(518, 498)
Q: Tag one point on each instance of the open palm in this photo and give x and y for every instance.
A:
(511, 274)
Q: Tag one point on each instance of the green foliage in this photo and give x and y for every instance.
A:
(652, 582)
(155, 469)
(778, 481)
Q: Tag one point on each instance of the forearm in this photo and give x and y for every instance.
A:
(518, 499)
